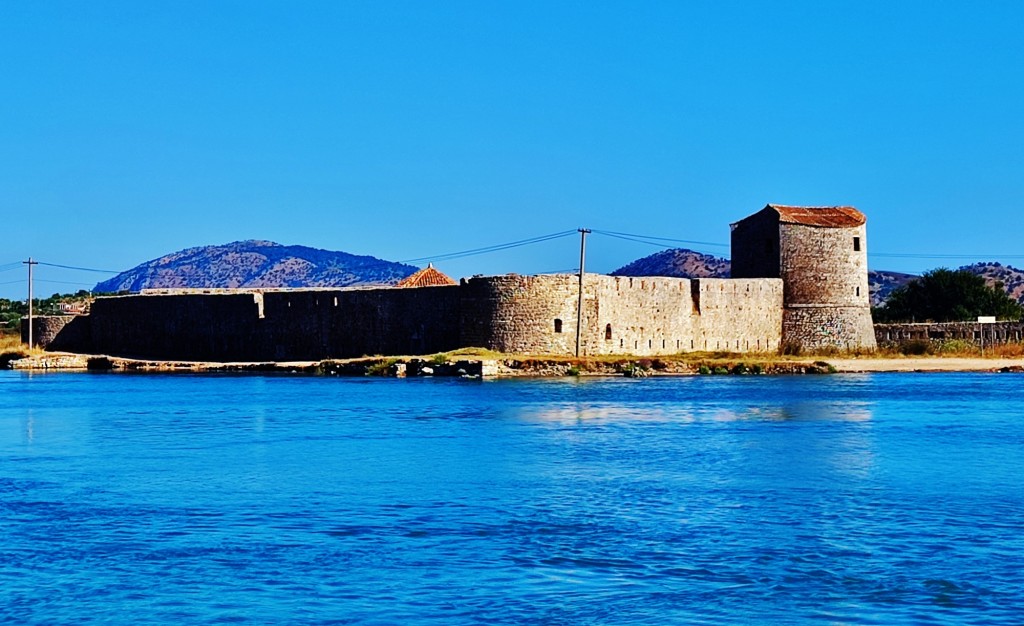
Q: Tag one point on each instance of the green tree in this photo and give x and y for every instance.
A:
(944, 295)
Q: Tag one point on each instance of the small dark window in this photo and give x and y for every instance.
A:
(558, 325)
(858, 291)
(608, 332)
(856, 244)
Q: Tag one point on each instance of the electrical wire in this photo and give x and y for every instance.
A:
(612, 233)
(893, 255)
(59, 282)
(488, 249)
(83, 269)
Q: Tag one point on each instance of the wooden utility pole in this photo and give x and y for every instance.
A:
(30, 263)
(579, 305)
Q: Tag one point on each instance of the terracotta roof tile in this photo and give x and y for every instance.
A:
(827, 216)
(426, 277)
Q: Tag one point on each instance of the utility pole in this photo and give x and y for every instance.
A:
(579, 305)
(30, 263)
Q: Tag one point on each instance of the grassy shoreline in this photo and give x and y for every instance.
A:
(474, 362)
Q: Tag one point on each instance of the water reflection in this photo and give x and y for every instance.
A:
(821, 411)
(804, 411)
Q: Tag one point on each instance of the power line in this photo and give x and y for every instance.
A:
(612, 233)
(895, 255)
(488, 249)
(636, 239)
(83, 269)
(61, 282)
(15, 282)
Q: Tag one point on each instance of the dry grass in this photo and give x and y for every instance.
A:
(12, 347)
(953, 348)
(11, 343)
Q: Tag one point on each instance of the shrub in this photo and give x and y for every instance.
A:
(956, 346)
(704, 369)
(380, 368)
(756, 369)
(572, 371)
(439, 359)
(720, 370)
(739, 369)
(791, 348)
(916, 347)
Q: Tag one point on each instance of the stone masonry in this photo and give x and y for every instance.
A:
(800, 275)
(821, 256)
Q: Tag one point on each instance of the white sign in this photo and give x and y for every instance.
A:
(986, 319)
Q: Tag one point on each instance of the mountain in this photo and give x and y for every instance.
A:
(677, 262)
(1011, 277)
(882, 283)
(257, 264)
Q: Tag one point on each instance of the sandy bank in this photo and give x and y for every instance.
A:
(926, 364)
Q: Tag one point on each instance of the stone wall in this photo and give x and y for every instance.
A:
(273, 326)
(826, 287)
(810, 328)
(821, 267)
(755, 246)
(521, 314)
(516, 314)
(638, 315)
(621, 315)
(972, 332)
(47, 328)
(738, 315)
(824, 271)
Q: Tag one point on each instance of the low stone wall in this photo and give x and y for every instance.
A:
(57, 332)
(973, 332)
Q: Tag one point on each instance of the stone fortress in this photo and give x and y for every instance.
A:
(799, 279)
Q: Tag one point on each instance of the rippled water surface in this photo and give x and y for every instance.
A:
(846, 499)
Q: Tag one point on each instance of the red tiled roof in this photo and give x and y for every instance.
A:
(828, 216)
(426, 277)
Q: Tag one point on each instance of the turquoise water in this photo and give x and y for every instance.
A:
(846, 499)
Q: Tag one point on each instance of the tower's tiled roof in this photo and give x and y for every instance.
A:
(827, 216)
(426, 277)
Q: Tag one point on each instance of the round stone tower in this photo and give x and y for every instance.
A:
(820, 253)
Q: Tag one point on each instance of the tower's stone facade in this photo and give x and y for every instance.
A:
(820, 253)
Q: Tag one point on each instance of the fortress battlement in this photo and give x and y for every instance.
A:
(800, 276)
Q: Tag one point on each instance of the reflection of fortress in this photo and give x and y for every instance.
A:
(800, 277)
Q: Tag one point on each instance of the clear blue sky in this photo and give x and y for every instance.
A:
(132, 129)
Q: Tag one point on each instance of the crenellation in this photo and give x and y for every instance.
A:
(796, 279)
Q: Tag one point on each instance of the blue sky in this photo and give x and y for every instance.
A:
(132, 129)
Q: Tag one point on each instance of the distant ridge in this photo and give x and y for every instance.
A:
(1011, 277)
(679, 263)
(255, 263)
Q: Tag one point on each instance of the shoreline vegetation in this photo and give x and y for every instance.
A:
(479, 363)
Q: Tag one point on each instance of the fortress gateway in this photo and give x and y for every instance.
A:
(799, 278)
